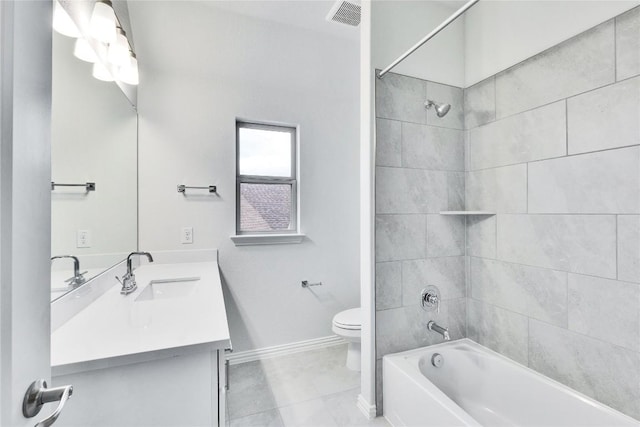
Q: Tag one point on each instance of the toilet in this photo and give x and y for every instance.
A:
(347, 324)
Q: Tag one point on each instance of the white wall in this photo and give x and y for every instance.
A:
(398, 25)
(500, 34)
(197, 75)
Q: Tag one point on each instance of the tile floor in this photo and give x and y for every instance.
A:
(312, 388)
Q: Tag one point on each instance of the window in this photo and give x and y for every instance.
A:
(266, 189)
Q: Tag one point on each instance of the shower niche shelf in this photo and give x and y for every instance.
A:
(468, 213)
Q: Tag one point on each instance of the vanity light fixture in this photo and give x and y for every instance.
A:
(101, 72)
(83, 50)
(129, 73)
(103, 22)
(63, 23)
(118, 52)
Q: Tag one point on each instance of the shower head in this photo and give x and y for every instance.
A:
(441, 109)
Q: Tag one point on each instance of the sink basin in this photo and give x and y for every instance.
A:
(168, 288)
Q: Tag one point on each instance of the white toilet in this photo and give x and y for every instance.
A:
(347, 324)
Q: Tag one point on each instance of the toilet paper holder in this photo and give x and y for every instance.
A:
(306, 284)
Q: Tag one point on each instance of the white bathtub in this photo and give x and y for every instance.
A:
(478, 387)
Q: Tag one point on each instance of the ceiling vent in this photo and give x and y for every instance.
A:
(345, 12)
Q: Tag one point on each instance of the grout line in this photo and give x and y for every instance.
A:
(420, 169)
(566, 127)
(496, 236)
(528, 341)
(615, 48)
(558, 270)
(566, 284)
(617, 239)
(527, 186)
(555, 158)
(574, 95)
(402, 144)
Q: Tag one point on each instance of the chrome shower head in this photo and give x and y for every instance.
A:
(441, 109)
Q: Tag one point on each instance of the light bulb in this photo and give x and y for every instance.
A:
(129, 73)
(63, 23)
(103, 22)
(83, 50)
(118, 52)
(101, 72)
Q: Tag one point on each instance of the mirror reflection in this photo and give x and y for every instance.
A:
(94, 172)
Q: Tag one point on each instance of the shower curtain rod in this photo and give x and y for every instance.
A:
(428, 37)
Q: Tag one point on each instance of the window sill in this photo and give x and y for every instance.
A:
(267, 239)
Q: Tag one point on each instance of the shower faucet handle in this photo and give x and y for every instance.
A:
(430, 299)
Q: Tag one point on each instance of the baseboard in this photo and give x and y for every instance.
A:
(284, 349)
(367, 409)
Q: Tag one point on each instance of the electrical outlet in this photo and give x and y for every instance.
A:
(83, 239)
(187, 235)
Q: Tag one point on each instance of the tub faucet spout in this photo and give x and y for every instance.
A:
(433, 326)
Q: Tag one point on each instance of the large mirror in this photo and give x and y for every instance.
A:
(94, 140)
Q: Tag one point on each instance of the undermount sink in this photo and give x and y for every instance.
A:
(168, 288)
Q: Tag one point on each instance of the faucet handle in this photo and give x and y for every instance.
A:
(430, 299)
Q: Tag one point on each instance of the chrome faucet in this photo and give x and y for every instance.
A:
(128, 281)
(433, 326)
(78, 278)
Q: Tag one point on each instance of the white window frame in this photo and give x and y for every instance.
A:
(292, 234)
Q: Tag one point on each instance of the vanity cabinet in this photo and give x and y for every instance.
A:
(154, 357)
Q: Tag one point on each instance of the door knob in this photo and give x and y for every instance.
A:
(38, 394)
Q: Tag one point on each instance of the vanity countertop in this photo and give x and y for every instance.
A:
(115, 325)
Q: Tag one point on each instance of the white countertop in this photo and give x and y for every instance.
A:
(115, 325)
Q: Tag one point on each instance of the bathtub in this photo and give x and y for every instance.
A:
(478, 387)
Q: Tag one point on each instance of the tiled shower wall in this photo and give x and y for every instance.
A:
(553, 148)
(419, 172)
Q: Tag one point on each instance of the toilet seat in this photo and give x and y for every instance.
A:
(348, 319)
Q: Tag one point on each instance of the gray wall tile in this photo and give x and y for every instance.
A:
(605, 309)
(451, 95)
(501, 189)
(446, 273)
(400, 190)
(574, 243)
(400, 97)
(388, 285)
(602, 182)
(499, 329)
(535, 292)
(445, 235)
(628, 44)
(481, 236)
(629, 248)
(480, 103)
(457, 319)
(388, 143)
(405, 328)
(455, 181)
(607, 373)
(580, 64)
(605, 118)
(430, 147)
(532, 135)
(400, 237)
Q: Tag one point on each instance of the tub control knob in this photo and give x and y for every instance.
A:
(437, 360)
(430, 299)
